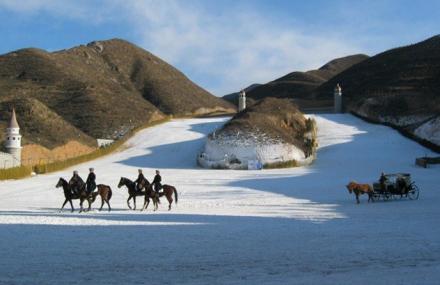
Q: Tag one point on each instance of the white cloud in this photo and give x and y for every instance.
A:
(229, 51)
(223, 52)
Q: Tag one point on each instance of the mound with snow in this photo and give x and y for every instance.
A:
(270, 132)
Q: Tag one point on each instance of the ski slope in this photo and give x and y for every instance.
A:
(283, 226)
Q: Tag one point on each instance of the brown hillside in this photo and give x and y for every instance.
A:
(102, 90)
(398, 82)
(40, 125)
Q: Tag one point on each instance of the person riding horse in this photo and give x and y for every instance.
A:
(90, 182)
(141, 181)
(156, 182)
(76, 183)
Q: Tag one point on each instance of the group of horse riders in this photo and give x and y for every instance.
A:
(77, 184)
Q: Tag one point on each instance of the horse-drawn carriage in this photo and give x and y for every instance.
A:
(396, 185)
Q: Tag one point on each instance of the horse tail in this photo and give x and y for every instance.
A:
(110, 193)
(175, 194)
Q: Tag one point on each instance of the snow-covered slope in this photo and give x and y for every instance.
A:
(430, 131)
(283, 226)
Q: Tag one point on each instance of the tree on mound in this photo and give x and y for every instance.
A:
(273, 132)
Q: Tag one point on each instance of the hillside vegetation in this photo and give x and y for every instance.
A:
(400, 87)
(102, 90)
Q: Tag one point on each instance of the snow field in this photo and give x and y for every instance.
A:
(279, 226)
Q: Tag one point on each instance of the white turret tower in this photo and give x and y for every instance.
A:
(338, 99)
(13, 139)
(241, 101)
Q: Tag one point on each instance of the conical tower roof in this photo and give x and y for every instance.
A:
(13, 124)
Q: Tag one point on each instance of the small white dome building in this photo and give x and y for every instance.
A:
(12, 156)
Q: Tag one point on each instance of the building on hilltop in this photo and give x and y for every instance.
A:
(12, 156)
(338, 99)
(241, 101)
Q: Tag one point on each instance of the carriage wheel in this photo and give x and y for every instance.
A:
(413, 194)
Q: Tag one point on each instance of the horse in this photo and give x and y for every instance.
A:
(133, 192)
(69, 195)
(168, 191)
(150, 193)
(360, 189)
(106, 194)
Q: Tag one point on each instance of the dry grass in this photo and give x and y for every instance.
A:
(35, 154)
(283, 164)
(60, 165)
(15, 172)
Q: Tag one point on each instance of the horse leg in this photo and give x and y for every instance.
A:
(156, 204)
(357, 198)
(146, 202)
(71, 205)
(102, 203)
(62, 207)
(128, 202)
(81, 209)
(108, 204)
(134, 201)
(170, 200)
(90, 205)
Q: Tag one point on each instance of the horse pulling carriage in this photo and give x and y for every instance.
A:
(389, 186)
(397, 185)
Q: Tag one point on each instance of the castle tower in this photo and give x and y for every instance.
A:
(241, 101)
(338, 99)
(13, 139)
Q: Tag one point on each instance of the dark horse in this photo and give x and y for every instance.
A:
(167, 191)
(133, 192)
(69, 195)
(103, 190)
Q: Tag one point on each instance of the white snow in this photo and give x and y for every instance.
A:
(280, 226)
(430, 131)
(219, 152)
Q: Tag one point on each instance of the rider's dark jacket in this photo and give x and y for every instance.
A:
(156, 182)
(140, 178)
(91, 184)
(76, 183)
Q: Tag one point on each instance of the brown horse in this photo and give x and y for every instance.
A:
(150, 193)
(106, 194)
(168, 191)
(360, 189)
(133, 192)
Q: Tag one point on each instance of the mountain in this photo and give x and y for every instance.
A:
(101, 90)
(299, 85)
(400, 87)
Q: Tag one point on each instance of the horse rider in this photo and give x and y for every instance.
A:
(156, 182)
(90, 182)
(140, 181)
(76, 183)
(382, 180)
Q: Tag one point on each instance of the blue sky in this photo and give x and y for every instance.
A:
(224, 45)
